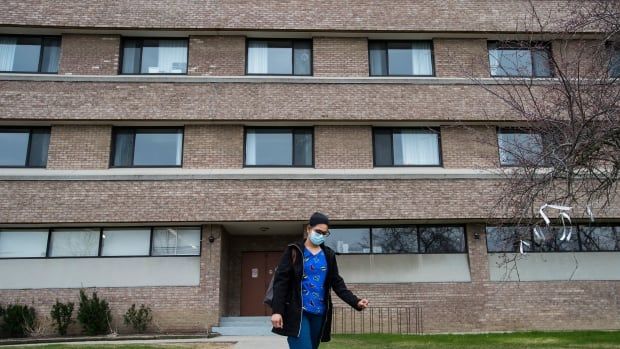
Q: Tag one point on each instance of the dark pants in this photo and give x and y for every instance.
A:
(310, 335)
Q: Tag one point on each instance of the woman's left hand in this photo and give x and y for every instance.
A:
(363, 303)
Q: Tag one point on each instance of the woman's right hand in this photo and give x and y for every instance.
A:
(276, 320)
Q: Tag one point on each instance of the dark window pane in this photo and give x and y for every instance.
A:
(269, 147)
(416, 147)
(541, 62)
(303, 57)
(349, 240)
(39, 144)
(13, 147)
(378, 58)
(552, 242)
(27, 54)
(516, 148)
(131, 56)
(507, 239)
(123, 147)
(157, 148)
(51, 54)
(442, 239)
(600, 238)
(400, 58)
(383, 147)
(394, 240)
(614, 70)
(303, 147)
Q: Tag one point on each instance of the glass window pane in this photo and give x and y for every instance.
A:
(39, 145)
(8, 46)
(511, 62)
(507, 238)
(126, 242)
(303, 147)
(378, 58)
(27, 54)
(269, 147)
(422, 58)
(176, 241)
(303, 57)
(541, 63)
(257, 57)
(131, 56)
(164, 57)
(51, 54)
(400, 58)
(349, 240)
(552, 242)
(519, 148)
(23, 243)
(416, 147)
(442, 239)
(614, 69)
(395, 240)
(383, 147)
(280, 57)
(74, 242)
(600, 238)
(13, 147)
(157, 148)
(123, 147)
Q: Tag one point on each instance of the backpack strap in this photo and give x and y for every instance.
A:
(294, 254)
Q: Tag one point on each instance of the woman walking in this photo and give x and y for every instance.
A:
(302, 305)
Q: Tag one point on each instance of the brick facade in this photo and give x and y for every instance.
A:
(216, 55)
(340, 56)
(79, 147)
(213, 146)
(461, 58)
(90, 54)
(343, 146)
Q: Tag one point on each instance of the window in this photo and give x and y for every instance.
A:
(147, 147)
(400, 58)
(154, 56)
(176, 241)
(125, 242)
(406, 147)
(24, 147)
(520, 59)
(29, 54)
(600, 238)
(397, 239)
(507, 239)
(16, 243)
(279, 147)
(519, 147)
(81, 242)
(614, 64)
(279, 57)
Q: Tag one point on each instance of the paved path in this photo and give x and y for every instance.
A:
(243, 342)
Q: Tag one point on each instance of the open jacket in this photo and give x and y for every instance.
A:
(287, 290)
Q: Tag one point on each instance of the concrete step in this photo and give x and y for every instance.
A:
(244, 326)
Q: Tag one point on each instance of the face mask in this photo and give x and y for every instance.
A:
(316, 238)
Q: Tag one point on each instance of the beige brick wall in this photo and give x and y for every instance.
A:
(461, 58)
(469, 147)
(213, 146)
(216, 55)
(89, 54)
(175, 309)
(79, 147)
(340, 56)
(343, 146)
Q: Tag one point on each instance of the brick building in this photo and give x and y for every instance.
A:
(166, 153)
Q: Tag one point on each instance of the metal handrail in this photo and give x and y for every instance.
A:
(397, 320)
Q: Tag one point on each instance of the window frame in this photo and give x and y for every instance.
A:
(42, 37)
(134, 128)
(292, 40)
(417, 229)
(141, 39)
(514, 130)
(17, 129)
(292, 129)
(437, 130)
(387, 54)
(100, 247)
(546, 45)
(577, 226)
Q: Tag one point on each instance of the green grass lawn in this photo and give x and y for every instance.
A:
(521, 340)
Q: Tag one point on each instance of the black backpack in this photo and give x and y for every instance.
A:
(269, 294)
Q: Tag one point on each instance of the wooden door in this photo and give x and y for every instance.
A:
(256, 271)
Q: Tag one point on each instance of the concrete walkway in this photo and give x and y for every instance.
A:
(242, 342)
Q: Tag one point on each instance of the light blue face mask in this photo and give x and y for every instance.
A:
(317, 238)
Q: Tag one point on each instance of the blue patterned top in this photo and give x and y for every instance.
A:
(313, 282)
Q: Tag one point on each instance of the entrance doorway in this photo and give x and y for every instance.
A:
(257, 268)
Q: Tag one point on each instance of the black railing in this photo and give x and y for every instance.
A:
(398, 320)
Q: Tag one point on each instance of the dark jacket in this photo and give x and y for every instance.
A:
(287, 291)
